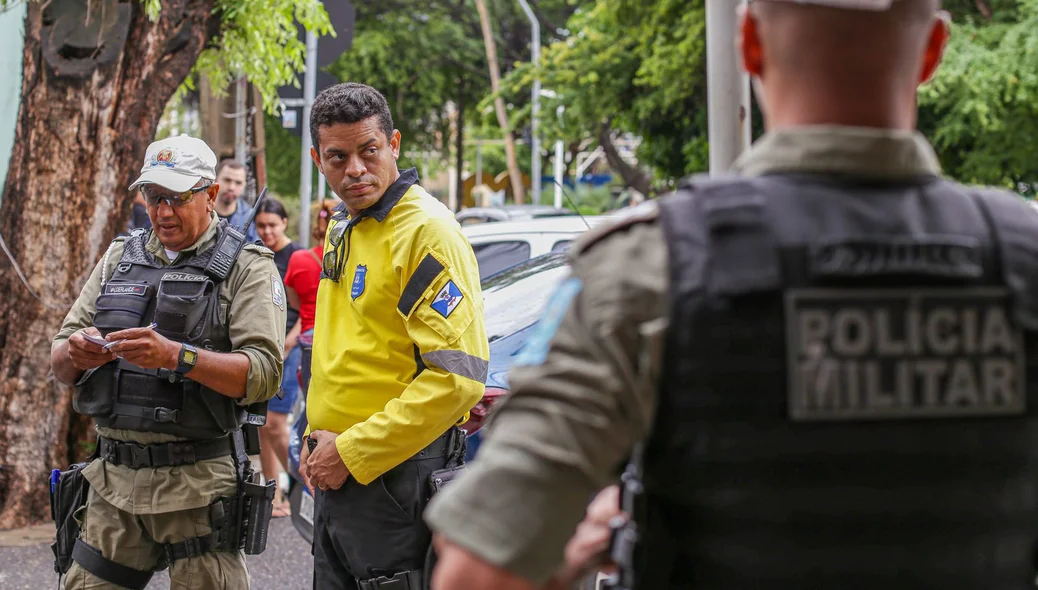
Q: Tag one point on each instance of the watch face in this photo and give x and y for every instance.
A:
(189, 356)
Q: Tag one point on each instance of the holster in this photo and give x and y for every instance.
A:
(409, 580)
(68, 493)
(455, 464)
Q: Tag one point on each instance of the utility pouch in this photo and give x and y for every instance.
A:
(255, 416)
(122, 305)
(68, 493)
(259, 498)
(182, 303)
(95, 391)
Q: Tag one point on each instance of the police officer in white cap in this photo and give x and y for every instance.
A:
(821, 368)
(178, 330)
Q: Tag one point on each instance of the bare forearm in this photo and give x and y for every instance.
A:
(61, 364)
(224, 372)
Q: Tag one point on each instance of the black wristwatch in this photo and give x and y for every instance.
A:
(187, 359)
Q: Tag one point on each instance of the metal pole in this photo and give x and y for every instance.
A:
(479, 164)
(306, 164)
(560, 161)
(535, 143)
(728, 88)
(322, 187)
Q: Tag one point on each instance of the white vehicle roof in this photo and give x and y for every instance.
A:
(569, 224)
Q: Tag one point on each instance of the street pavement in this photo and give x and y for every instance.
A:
(26, 561)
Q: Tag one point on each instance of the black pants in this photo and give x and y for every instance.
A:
(364, 532)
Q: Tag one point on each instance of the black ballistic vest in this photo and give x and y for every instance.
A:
(183, 299)
(845, 401)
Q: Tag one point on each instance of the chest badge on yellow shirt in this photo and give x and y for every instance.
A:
(357, 289)
(447, 299)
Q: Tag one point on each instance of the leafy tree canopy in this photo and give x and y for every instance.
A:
(981, 110)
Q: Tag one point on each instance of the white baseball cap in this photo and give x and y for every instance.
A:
(875, 5)
(177, 163)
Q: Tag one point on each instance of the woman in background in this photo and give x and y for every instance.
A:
(302, 280)
(271, 222)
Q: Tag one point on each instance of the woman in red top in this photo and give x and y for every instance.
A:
(301, 282)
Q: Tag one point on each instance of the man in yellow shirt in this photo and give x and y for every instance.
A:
(400, 350)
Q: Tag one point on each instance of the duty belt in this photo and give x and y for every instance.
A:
(137, 456)
(440, 447)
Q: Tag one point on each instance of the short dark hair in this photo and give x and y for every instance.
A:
(272, 205)
(349, 103)
(229, 163)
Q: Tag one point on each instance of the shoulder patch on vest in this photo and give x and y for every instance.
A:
(647, 212)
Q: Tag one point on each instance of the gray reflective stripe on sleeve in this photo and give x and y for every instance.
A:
(458, 363)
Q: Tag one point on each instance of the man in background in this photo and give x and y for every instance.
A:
(230, 175)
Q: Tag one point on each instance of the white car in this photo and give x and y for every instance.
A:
(504, 244)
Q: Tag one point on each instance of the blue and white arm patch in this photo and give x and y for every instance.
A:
(535, 351)
(447, 300)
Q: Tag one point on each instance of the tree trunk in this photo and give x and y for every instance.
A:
(633, 176)
(518, 191)
(85, 118)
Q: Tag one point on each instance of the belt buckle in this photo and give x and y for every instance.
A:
(140, 455)
(162, 415)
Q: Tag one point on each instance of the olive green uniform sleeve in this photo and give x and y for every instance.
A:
(256, 321)
(81, 315)
(577, 408)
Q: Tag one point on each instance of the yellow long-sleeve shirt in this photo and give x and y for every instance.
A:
(400, 348)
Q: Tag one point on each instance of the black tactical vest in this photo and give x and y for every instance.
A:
(846, 402)
(183, 299)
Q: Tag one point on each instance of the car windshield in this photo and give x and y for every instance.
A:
(514, 298)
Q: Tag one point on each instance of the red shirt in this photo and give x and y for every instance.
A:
(303, 276)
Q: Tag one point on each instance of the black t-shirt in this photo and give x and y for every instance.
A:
(139, 217)
(281, 261)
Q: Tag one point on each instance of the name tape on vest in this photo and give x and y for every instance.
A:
(902, 353)
(138, 289)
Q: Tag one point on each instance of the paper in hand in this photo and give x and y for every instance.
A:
(101, 341)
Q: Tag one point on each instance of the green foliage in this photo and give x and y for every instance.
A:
(258, 39)
(282, 153)
(981, 110)
(416, 55)
(640, 65)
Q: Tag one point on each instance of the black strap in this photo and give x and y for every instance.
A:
(137, 456)
(423, 276)
(91, 559)
(160, 415)
(164, 374)
(194, 547)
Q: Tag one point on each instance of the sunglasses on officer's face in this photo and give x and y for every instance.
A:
(153, 195)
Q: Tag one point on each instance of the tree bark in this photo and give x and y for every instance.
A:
(633, 176)
(79, 141)
(516, 177)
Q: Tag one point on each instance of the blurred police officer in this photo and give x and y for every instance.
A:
(194, 318)
(825, 355)
(400, 350)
